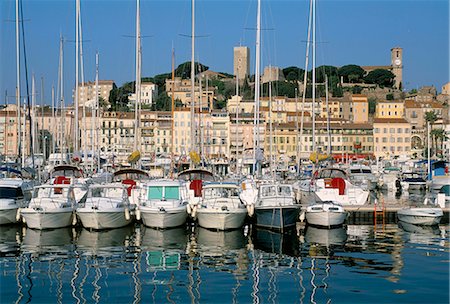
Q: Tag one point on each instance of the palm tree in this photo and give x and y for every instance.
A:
(430, 117)
(438, 135)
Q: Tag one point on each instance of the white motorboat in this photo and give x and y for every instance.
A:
(413, 181)
(52, 206)
(332, 184)
(67, 174)
(276, 207)
(133, 179)
(11, 199)
(422, 215)
(362, 176)
(106, 207)
(221, 207)
(163, 203)
(325, 214)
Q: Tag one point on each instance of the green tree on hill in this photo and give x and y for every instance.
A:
(383, 78)
(293, 73)
(351, 73)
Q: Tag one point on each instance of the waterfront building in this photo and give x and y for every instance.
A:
(149, 92)
(390, 109)
(392, 137)
(181, 90)
(87, 92)
(360, 107)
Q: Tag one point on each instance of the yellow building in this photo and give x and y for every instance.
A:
(392, 137)
(360, 108)
(390, 109)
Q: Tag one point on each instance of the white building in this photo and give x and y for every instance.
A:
(149, 92)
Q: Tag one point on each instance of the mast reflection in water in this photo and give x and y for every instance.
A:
(136, 264)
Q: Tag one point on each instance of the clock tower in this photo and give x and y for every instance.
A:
(397, 66)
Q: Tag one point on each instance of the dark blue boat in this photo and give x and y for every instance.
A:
(276, 207)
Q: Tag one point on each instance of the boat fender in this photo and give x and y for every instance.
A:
(18, 215)
(188, 208)
(74, 219)
(127, 214)
(250, 209)
(194, 212)
(302, 216)
(138, 214)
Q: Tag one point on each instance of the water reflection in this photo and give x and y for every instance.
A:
(48, 244)
(325, 237)
(276, 242)
(139, 264)
(103, 242)
(10, 239)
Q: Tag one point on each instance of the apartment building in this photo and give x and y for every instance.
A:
(392, 137)
(149, 93)
(87, 92)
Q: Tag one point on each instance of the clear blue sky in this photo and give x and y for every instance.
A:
(349, 32)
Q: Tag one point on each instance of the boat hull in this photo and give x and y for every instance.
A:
(8, 215)
(47, 220)
(221, 220)
(99, 219)
(420, 216)
(278, 218)
(326, 218)
(163, 218)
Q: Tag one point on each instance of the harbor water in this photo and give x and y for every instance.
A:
(361, 262)
(352, 264)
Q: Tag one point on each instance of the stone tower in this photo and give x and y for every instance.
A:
(397, 66)
(241, 62)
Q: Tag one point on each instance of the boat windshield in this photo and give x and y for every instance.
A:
(284, 190)
(332, 173)
(268, 191)
(107, 192)
(221, 192)
(10, 192)
(163, 192)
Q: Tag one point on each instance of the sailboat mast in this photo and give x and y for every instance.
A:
(172, 108)
(53, 119)
(328, 116)
(138, 76)
(18, 79)
(237, 121)
(193, 77)
(314, 77)
(82, 88)
(77, 28)
(305, 79)
(33, 110)
(62, 102)
(257, 84)
(95, 149)
(271, 125)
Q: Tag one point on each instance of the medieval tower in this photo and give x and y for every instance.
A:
(397, 66)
